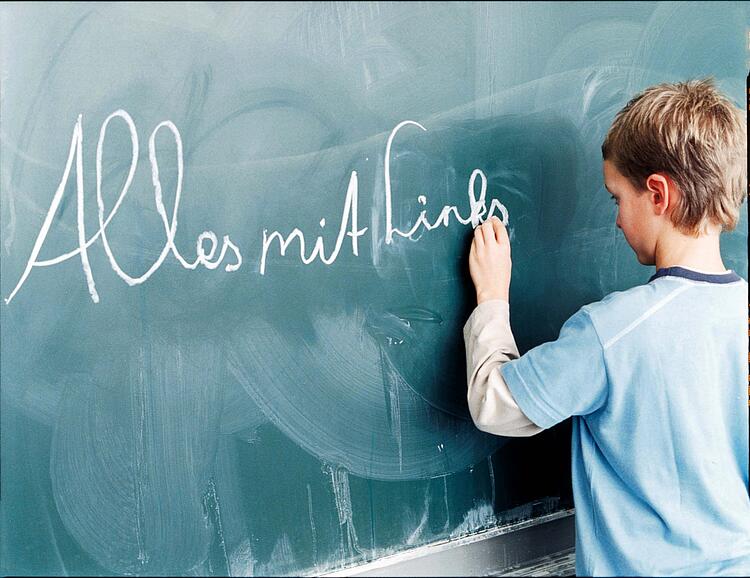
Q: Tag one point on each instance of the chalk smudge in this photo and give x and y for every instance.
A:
(419, 530)
(241, 561)
(445, 502)
(312, 525)
(212, 509)
(333, 390)
(491, 469)
(132, 441)
(282, 560)
(480, 517)
(343, 498)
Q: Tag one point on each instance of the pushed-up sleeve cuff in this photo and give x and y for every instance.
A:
(490, 344)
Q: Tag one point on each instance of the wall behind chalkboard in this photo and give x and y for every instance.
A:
(234, 263)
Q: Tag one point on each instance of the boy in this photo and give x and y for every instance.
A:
(655, 377)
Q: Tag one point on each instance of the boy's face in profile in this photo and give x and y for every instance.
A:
(635, 214)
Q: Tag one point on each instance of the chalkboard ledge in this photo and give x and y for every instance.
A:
(543, 542)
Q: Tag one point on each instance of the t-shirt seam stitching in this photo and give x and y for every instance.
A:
(651, 311)
(536, 399)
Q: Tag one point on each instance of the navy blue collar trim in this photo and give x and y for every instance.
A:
(728, 277)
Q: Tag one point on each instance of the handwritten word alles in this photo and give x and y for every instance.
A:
(229, 254)
(75, 154)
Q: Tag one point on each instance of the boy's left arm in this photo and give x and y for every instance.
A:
(488, 338)
(489, 344)
(549, 383)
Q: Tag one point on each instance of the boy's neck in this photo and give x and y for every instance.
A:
(700, 253)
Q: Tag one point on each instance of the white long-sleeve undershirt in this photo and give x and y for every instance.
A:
(490, 343)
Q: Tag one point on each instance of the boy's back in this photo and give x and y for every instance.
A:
(654, 377)
(659, 453)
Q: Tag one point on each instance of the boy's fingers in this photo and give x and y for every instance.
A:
(478, 237)
(487, 231)
(501, 233)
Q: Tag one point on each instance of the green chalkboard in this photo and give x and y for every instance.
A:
(234, 265)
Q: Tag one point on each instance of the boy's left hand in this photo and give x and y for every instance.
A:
(489, 261)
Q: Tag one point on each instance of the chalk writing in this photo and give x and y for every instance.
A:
(478, 206)
(478, 213)
(75, 153)
(350, 209)
(207, 242)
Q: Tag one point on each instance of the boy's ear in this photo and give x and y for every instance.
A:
(662, 191)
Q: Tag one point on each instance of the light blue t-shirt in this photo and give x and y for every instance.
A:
(656, 378)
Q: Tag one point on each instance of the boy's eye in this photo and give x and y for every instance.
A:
(617, 202)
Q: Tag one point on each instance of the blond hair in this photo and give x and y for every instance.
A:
(694, 134)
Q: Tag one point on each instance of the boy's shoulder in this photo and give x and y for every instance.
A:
(623, 311)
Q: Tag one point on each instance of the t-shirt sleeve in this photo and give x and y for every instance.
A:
(562, 378)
